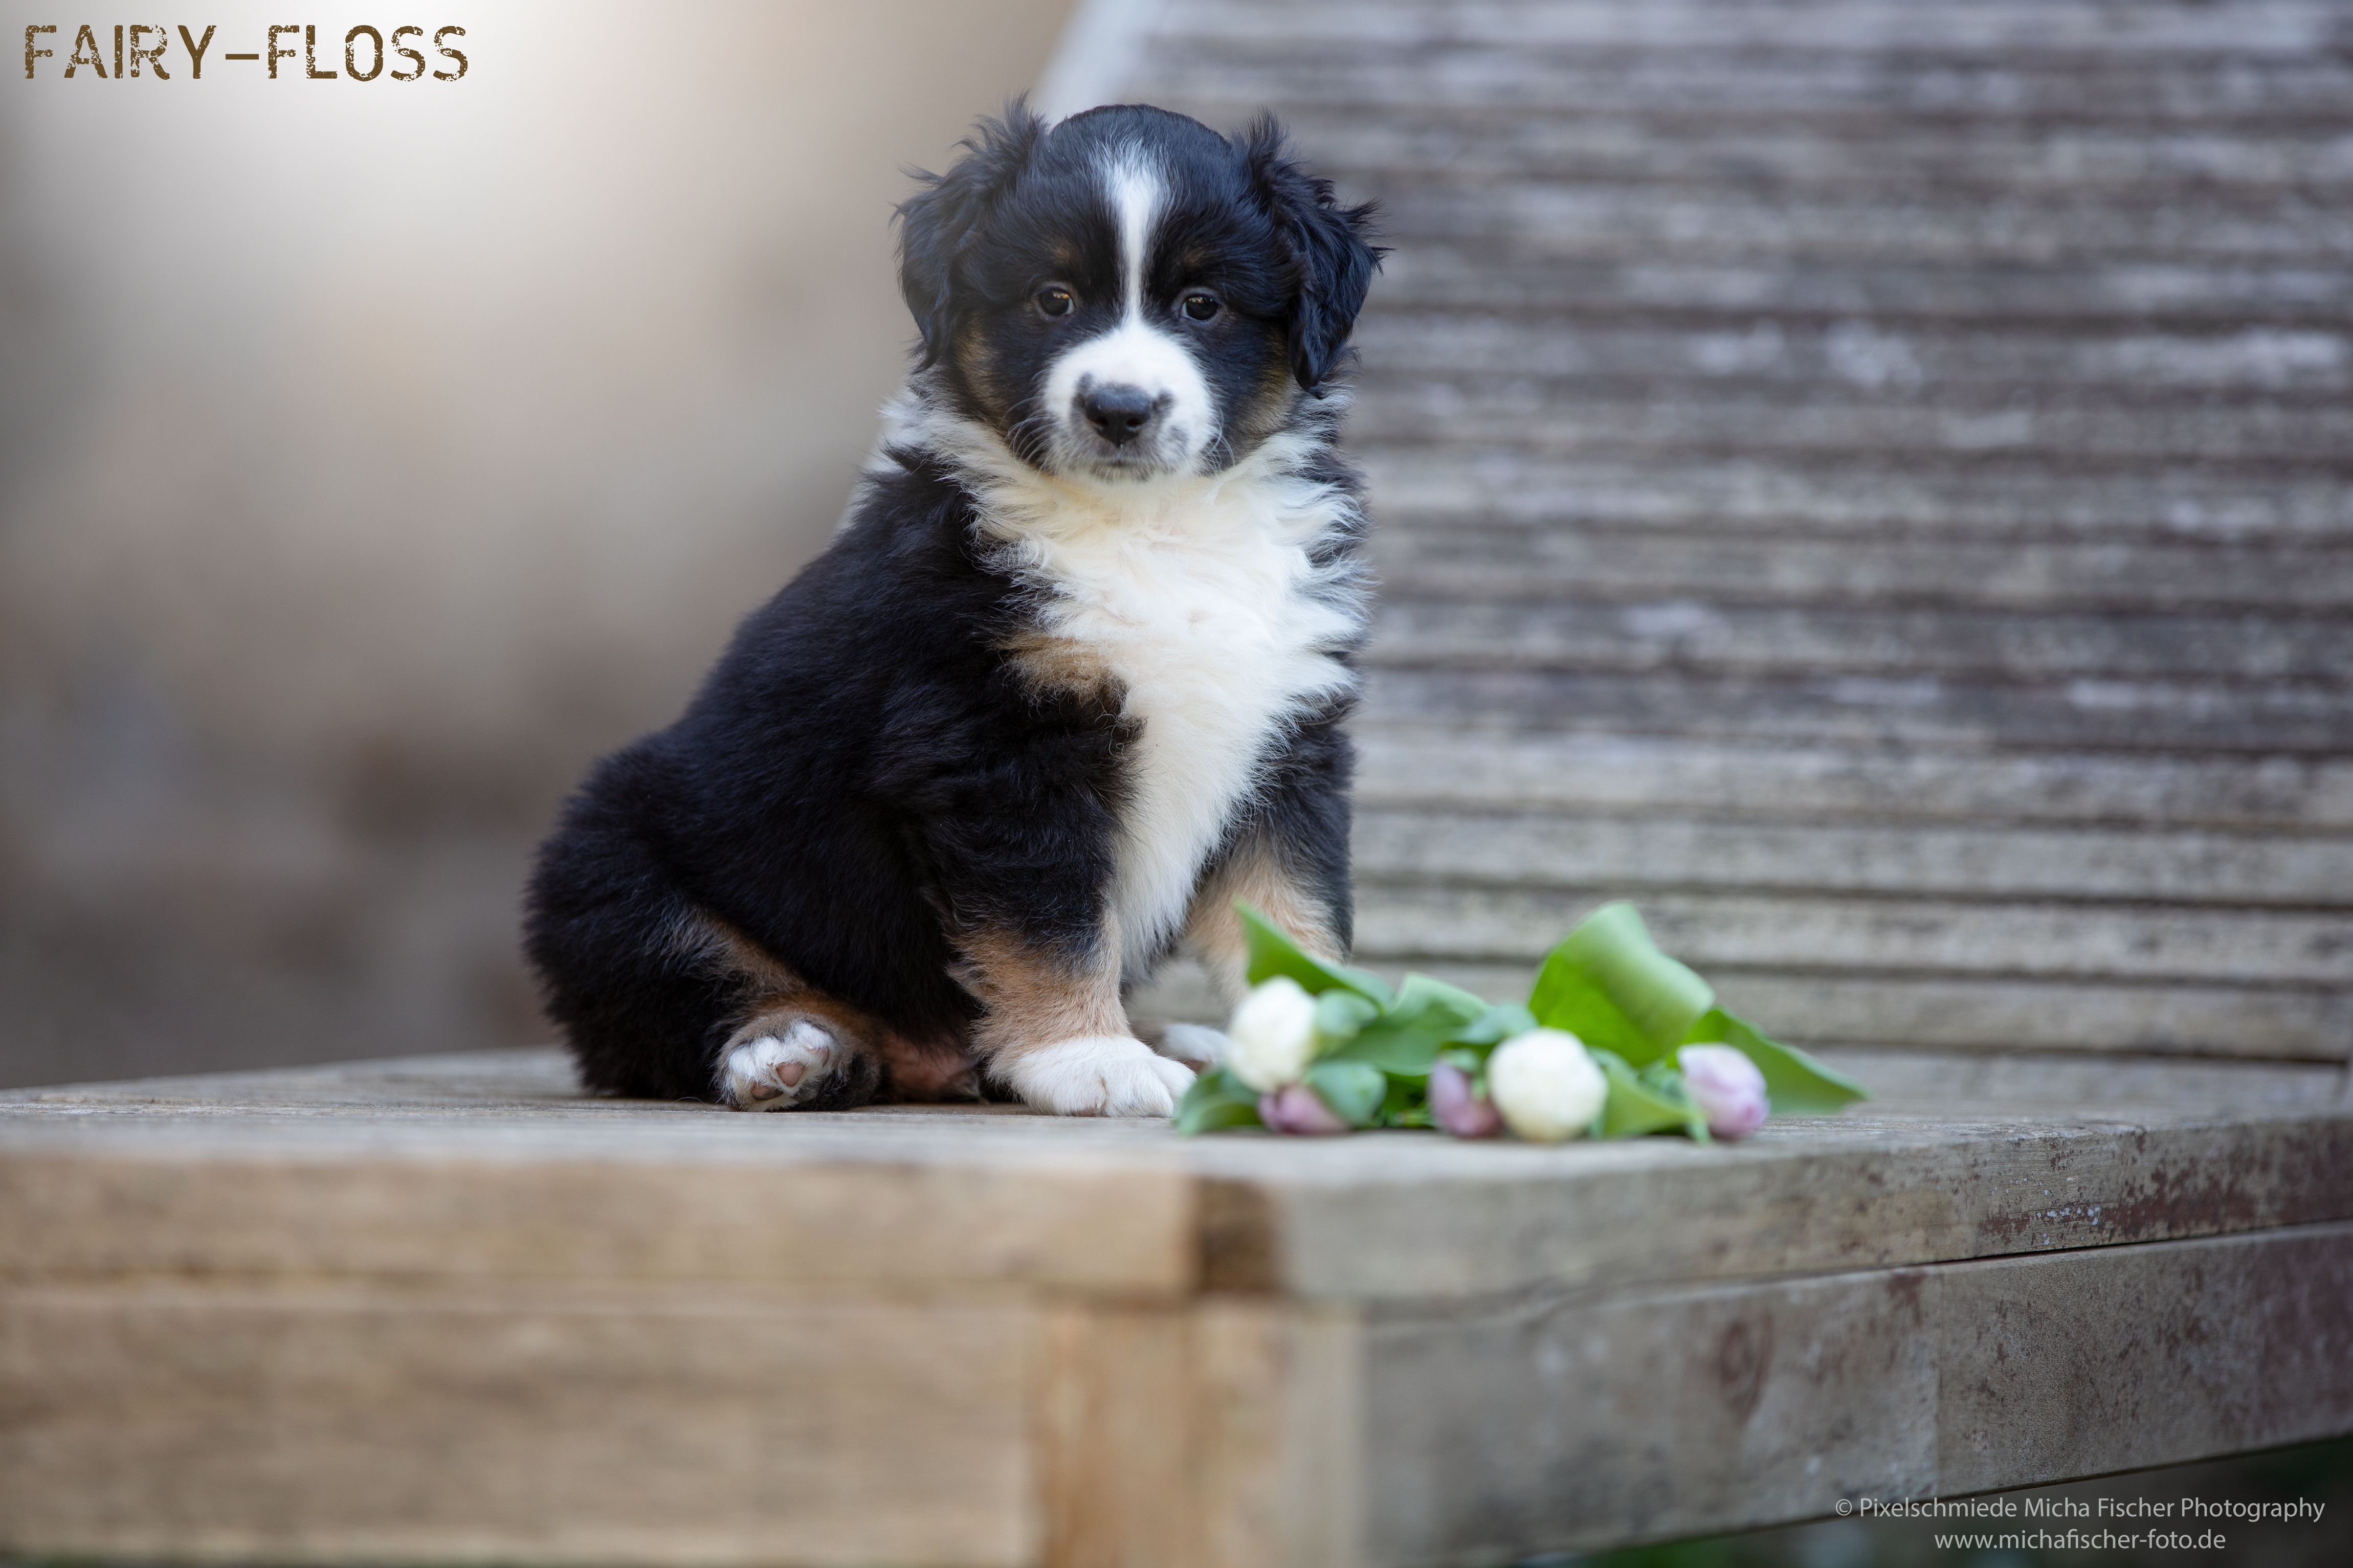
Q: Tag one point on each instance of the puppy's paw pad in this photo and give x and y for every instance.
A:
(775, 1072)
(1197, 1046)
(1100, 1075)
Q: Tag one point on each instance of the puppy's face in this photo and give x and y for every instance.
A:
(1130, 294)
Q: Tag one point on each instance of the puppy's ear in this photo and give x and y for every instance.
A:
(1332, 254)
(939, 223)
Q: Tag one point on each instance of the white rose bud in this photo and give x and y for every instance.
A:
(1546, 1086)
(1726, 1086)
(1273, 1034)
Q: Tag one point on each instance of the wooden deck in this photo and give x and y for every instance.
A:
(445, 1309)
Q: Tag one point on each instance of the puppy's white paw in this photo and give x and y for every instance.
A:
(1099, 1075)
(1197, 1046)
(775, 1072)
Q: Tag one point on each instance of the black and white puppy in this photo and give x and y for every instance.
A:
(1068, 681)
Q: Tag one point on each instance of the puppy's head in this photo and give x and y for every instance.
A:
(1130, 294)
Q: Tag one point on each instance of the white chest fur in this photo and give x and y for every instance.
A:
(1199, 598)
(1219, 644)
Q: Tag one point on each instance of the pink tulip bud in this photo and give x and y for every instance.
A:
(1726, 1086)
(1457, 1107)
(1297, 1108)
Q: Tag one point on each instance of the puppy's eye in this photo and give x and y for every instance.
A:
(1055, 300)
(1200, 307)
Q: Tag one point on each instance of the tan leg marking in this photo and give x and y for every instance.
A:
(1035, 997)
(1055, 1031)
(1256, 874)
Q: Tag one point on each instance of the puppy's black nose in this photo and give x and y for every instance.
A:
(1119, 414)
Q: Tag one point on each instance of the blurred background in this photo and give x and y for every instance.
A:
(1868, 482)
(373, 455)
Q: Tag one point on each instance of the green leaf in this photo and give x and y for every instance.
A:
(1795, 1083)
(1495, 1026)
(1273, 953)
(1609, 985)
(1436, 1002)
(1339, 1015)
(1402, 1045)
(1566, 999)
(1638, 1105)
(1353, 1090)
(1217, 1098)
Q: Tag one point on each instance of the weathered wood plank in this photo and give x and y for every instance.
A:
(1435, 558)
(1603, 223)
(2015, 29)
(1901, 359)
(1552, 1424)
(1922, 934)
(1444, 768)
(726, 1203)
(1867, 499)
(1857, 709)
(1996, 157)
(1378, 1218)
(1553, 417)
(1831, 934)
(1380, 1221)
(1704, 87)
(1435, 274)
(2088, 1363)
(321, 1423)
(1945, 1012)
(1913, 643)
(1217, 1435)
(1561, 1422)
(1537, 850)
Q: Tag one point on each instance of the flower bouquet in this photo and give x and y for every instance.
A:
(1617, 1039)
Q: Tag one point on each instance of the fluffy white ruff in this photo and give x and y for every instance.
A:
(1098, 1075)
(1197, 593)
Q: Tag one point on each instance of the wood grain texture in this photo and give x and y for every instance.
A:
(1598, 563)
(1866, 502)
(1693, 778)
(2014, 29)
(322, 1423)
(1552, 1422)
(1525, 848)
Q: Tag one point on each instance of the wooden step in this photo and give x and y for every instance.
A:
(444, 1310)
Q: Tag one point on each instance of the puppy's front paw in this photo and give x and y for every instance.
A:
(778, 1071)
(1197, 1046)
(1099, 1075)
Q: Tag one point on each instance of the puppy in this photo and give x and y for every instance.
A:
(1068, 681)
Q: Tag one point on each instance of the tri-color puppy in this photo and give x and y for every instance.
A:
(1068, 681)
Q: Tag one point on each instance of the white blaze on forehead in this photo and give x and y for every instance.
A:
(1134, 352)
(1135, 200)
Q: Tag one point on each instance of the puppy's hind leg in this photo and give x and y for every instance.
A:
(795, 1048)
(791, 1059)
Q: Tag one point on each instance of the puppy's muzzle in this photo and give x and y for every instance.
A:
(1119, 413)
